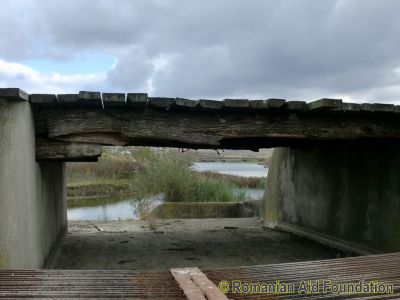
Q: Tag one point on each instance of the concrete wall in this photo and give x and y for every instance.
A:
(32, 195)
(344, 195)
(202, 210)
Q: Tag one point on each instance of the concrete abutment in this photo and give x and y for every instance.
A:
(33, 215)
(345, 195)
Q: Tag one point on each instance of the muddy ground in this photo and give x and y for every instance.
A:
(163, 244)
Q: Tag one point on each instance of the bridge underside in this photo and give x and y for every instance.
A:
(336, 180)
(72, 127)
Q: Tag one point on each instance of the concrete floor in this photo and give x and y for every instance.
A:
(163, 244)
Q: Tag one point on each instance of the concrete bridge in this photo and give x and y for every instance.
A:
(335, 176)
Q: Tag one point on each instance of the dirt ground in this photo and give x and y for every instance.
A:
(163, 244)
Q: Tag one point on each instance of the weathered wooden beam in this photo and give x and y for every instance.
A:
(113, 99)
(44, 100)
(275, 103)
(200, 129)
(325, 104)
(236, 103)
(259, 104)
(351, 107)
(13, 94)
(182, 103)
(271, 103)
(211, 104)
(160, 103)
(57, 150)
(296, 105)
(384, 108)
(136, 100)
(69, 100)
(90, 99)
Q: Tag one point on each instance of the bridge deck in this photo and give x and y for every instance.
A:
(72, 127)
(161, 285)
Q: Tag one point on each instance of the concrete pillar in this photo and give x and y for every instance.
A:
(32, 195)
(346, 195)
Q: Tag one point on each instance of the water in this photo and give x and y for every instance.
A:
(233, 168)
(121, 210)
(127, 208)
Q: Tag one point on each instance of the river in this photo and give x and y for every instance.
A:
(126, 208)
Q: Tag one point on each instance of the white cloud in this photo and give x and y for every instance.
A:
(33, 81)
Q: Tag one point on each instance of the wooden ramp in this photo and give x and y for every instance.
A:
(61, 284)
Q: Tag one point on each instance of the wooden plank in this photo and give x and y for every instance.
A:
(236, 103)
(384, 108)
(182, 103)
(161, 103)
(367, 107)
(211, 104)
(325, 104)
(113, 99)
(351, 107)
(90, 99)
(275, 103)
(136, 100)
(56, 150)
(44, 100)
(69, 100)
(189, 288)
(259, 104)
(13, 94)
(196, 285)
(295, 105)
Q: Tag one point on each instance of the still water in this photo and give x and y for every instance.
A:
(127, 208)
(236, 168)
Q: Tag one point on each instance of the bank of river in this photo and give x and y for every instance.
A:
(127, 208)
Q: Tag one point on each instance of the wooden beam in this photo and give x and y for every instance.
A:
(210, 104)
(236, 103)
(45, 100)
(64, 151)
(136, 100)
(195, 284)
(113, 99)
(325, 104)
(200, 129)
(161, 103)
(182, 103)
(69, 100)
(90, 99)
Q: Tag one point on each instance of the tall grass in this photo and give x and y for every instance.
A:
(169, 173)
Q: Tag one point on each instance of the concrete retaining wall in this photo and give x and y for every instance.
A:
(201, 210)
(347, 196)
(32, 195)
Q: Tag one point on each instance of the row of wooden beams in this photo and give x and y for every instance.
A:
(88, 99)
(141, 100)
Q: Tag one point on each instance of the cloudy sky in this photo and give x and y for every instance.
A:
(298, 50)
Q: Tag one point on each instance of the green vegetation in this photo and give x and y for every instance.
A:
(166, 172)
(147, 171)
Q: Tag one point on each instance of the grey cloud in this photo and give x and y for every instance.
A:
(219, 48)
